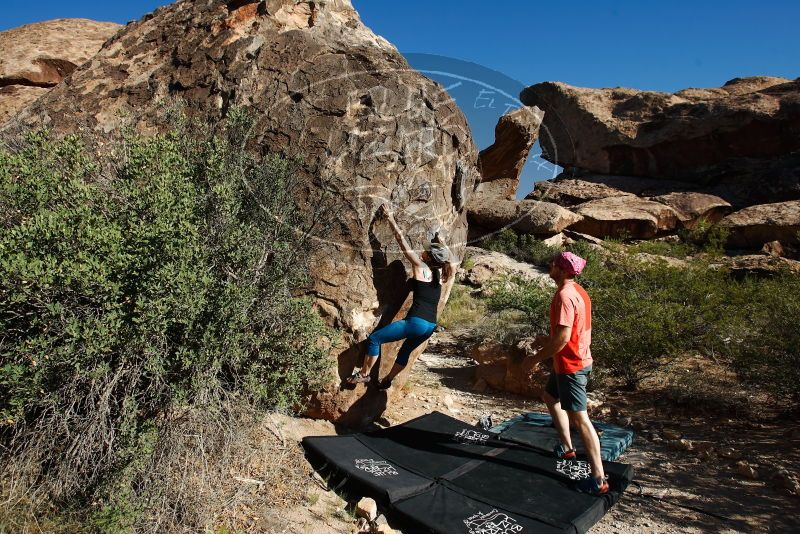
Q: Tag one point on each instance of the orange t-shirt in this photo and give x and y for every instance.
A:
(572, 307)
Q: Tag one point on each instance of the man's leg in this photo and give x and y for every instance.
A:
(591, 442)
(551, 398)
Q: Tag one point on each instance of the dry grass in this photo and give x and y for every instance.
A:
(211, 472)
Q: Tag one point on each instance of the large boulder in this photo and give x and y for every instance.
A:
(756, 225)
(524, 216)
(625, 216)
(322, 86)
(36, 57)
(501, 164)
(686, 136)
(693, 207)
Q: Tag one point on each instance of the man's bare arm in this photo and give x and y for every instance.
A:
(554, 344)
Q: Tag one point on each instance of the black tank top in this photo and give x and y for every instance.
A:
(426, 300)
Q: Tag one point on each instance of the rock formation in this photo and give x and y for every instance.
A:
(36, 57)
(501, 164)
(506, 368)
(488, 214)
(693, 207)
(685, 136)
(571, 192)
(324, 86)
(754, 226)
(486, 266)
(625, 216)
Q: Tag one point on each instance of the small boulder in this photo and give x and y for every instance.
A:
(626, 216)
(486, 266)
(367, 508)
(506, 368)
(773, 248)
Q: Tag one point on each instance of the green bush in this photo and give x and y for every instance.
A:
(155, 277)
(521, 247)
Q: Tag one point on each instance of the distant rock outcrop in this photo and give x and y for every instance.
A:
(689, 136)
(525, 216)
(501, 164)
(321, 85)
(36, 57)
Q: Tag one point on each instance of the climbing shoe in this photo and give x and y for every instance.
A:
(358, 378)
(384, 384)
(592, 486)
(563, 453)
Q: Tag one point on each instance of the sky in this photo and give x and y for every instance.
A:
(504, 45)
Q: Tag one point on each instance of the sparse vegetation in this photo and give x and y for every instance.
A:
(646, 314)
(141, 293)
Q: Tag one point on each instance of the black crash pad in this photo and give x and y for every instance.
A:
(438, 474)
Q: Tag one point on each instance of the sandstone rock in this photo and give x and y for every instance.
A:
(577, 236)
(756, 225)
(488, 265)
(501, 163)
(691, 207)
(38, 56)
(773, 248)
(677, 136)
(323, 86)
(367, 508)
(506, 368)
(525, 216)
(571, 192)
(625, 216)
(670, 433)
(558, 240)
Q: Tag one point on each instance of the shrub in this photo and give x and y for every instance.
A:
(521, 247)
(131, 285)
(462, 310)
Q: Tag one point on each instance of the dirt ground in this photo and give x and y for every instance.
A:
(734, 467)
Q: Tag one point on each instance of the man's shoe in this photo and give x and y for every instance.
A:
(592, 486)
(563, 453)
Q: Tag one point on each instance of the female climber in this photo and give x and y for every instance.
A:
(430, 270)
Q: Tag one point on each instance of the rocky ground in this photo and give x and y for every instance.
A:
(739, 468)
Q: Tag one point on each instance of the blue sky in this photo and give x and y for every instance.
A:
(655, 45)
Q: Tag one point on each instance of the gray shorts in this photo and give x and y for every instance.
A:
(569, 389)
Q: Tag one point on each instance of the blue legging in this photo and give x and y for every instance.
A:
(413, 329)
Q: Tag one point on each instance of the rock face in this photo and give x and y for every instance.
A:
(680, 136)
(525, 216)
(323, 86)
(692, 207)
(36, 57)
(501, 164)
(625, 216)
(756, 225)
